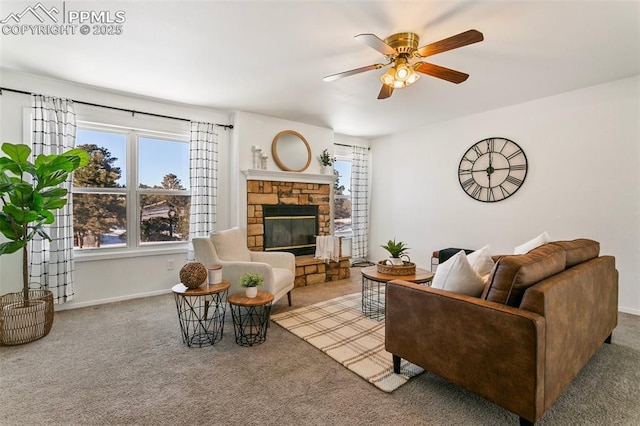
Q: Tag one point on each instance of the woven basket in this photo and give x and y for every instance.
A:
(20, 324)
(193, 274)
(407, 268)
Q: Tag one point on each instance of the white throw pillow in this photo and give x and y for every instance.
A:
(531, 244)
(457, 275)
(231, 245)
(480, 260)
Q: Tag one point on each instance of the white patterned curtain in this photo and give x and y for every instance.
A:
(203, 180)
(51, 262)
(360, 202)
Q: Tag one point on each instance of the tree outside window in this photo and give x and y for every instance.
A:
(342, 197)
(105, 192)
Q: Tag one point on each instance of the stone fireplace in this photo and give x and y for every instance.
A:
(277, 193)
(290, 228)
(286, 195)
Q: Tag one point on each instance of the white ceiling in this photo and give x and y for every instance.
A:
(269, 57)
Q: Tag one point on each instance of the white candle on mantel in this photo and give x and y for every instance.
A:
(257, 153)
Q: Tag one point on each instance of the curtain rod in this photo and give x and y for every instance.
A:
(349, 146)
(133, 112)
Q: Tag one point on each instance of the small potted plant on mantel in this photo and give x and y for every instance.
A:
(29, 193)
(326, 161)
(396, 250)
(250, 282)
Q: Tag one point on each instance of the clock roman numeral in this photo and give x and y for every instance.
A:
(515, 154)
(491, 145)
(478, 151)
(518, 167)
(467, 183)
(464, 171)
(504, 191)
(514, 180)
(476, 191)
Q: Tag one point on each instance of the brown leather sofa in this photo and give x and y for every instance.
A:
(540, 319)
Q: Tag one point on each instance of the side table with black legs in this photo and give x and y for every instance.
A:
(374, 286)
(250, 317)
(201, 312)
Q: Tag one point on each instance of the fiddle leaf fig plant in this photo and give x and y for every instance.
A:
(29, 195)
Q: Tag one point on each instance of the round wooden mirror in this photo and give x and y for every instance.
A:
(291, 151)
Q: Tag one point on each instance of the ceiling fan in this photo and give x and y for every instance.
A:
(401, 50)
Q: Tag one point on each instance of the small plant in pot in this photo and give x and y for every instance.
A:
(326, 160)
(397, 251)
(30, 194)
(250, 282)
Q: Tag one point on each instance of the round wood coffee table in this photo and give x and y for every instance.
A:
(374, 285)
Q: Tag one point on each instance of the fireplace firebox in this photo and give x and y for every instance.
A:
(290, 228)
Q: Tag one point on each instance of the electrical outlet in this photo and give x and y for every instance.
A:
(170, 265)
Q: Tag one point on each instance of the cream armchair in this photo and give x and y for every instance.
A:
(229, 249)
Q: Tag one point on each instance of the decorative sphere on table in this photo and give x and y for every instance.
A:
(193, 274)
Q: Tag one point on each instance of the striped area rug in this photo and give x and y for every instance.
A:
(339, 328)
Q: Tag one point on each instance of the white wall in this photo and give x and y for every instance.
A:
(254, 129)
(583, 150)
(118, 278)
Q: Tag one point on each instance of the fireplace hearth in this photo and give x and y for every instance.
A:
(290, 228)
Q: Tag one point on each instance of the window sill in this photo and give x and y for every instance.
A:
(347, 235)
(109, 254)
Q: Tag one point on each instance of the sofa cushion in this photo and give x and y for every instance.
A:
(533, 243)
(481, 261)
(457, 275)
(231, 244)
(579, 250)
(513, 274)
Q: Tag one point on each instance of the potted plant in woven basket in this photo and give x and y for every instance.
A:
(250, 282)
(397, 251)
(29, 194)
(395, 264)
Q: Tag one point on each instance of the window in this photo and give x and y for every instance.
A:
(135, 190)
(342, 198)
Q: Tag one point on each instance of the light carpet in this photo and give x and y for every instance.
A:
(339, 328)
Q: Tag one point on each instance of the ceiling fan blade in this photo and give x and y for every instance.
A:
(334, 77)
(376, 43)
(462, 39)
(385, 92)
(441, 72)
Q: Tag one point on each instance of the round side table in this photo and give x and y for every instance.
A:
(201, 312)
(374, 285)
(250, 317)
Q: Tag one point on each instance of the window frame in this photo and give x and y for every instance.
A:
(132, 193)
(345, 234)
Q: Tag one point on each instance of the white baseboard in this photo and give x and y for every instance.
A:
(629, 310)
(73, 305)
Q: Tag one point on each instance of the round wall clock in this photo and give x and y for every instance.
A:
(492, 169)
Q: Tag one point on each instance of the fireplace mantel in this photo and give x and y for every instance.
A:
(275, 175)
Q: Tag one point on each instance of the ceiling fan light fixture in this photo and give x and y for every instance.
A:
(388, 77)
(403, 72)
(413, 77)
(401, 75)
(402, 48)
